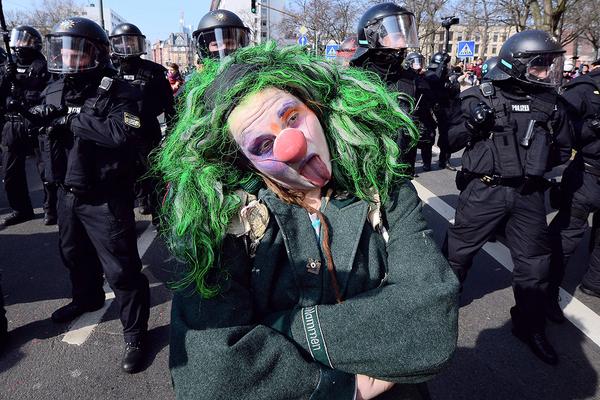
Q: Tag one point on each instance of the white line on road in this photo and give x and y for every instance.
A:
(82, 327)
(578, 313)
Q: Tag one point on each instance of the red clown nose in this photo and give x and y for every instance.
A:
(290, 145)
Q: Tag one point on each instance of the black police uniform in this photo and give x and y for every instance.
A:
(157, 97)
(446, 98)
(501, 179)
(580, 184)
(414, 85)
(93, 163)
(19, 135)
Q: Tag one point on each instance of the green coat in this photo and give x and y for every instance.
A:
(276, 332)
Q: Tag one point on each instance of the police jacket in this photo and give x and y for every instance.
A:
(96, 153)
(24, 91)
(583, 97)
(29, 81)
(275, 330)
(531, 132)
(410, 83)
(446, 95)
(157, 96)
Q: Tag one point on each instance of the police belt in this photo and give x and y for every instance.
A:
(497, 180)
(97, 192)
(591, 170)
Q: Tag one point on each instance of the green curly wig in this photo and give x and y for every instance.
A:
(203, 166)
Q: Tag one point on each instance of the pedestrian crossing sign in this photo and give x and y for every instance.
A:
(465, 49)
(331, 51)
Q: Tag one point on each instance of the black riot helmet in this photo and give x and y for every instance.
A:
(220, 33)
(26, 42)
(414, 60)
(487, 66)
(386, 27)
(437, 59)
(532, 57)
(127, 41)
(77, 45)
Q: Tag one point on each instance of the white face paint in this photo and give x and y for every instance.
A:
(283, 139)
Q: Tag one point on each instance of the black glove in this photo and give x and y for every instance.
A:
(11, 70)
(60, 124)
(481, 121)
(48, 112)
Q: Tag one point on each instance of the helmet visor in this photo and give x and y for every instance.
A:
(125, 46)
(20, 39)
(394, 32)
(545, 69)
(417, 62)
(70, 54)
(220, 42)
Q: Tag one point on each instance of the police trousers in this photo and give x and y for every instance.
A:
(97, 236)
(15, 146)
(481, 209)
(580, 198)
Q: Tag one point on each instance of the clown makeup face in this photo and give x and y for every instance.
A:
(283, 139)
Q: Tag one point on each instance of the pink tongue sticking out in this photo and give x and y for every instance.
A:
(316, 172)
(290, 145)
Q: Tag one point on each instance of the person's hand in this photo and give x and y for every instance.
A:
(482, 119)
(369, 388)
(48, 111)
(11, 69)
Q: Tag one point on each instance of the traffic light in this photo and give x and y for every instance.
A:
(253, 6)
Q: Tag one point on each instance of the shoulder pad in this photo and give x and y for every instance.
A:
(471, 92)
(122, 89)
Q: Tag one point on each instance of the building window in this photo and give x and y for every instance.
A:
(476, 48)
(477, 38)
(494, 50)
(450, 35)
(495, 38)
(503, 37)
(459, 37)
(441, 36)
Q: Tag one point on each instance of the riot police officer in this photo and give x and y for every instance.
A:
(93, 120)
(446, 88)
(22, 82)
(385, 32)
(513, 129)
(128, 44)
(219, 33)
(414, 60)
(580, 194)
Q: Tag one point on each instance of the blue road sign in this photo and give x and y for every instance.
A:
(465, 49)
(331, 51)
(302, 40)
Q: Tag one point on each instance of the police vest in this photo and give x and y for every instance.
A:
(521, 140)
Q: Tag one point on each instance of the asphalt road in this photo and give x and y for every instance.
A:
(41, 361)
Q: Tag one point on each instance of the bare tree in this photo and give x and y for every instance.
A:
(44, 14)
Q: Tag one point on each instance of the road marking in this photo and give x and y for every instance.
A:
(82, 327)
(575, 311)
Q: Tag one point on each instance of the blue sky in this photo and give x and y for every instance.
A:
(155, 18)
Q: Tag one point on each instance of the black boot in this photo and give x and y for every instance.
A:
(73, 310)
(133, 356)
(535, 339)
(16, 217)
(49, 219)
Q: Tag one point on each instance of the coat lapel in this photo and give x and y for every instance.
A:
(303, 250)
(346, 222)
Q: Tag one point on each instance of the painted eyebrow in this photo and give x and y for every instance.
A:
(286, 107)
